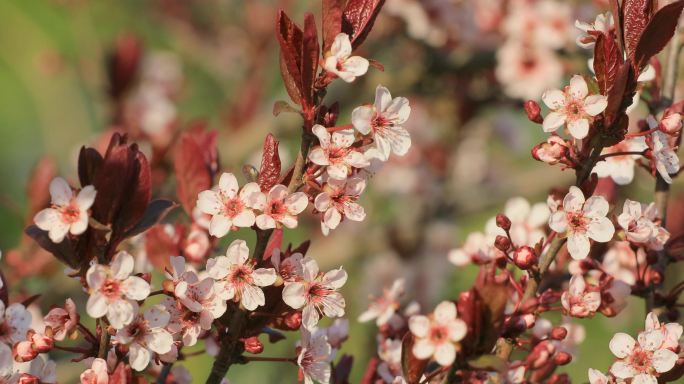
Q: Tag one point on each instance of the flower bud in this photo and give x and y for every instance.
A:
(293, 320)
(671, 124)
(253, 345)
(533, 111)
(552, 151)
(503, 222)
(41, 343)
(559, 333)
(26, 378)
(655, 277)
(562, 358)
(524, 257)
(23, 351)
(502, 243)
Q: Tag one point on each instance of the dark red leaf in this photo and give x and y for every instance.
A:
(155, 212)
(620, 92)
(89, 162)
(636, 14)
(160, 244)
(193, 174)
(310, 55)
(371, 371)
(358, 19)
(38, 187)
(657, 33)
(122, 64)
(607, 60)
(290, 38)
(275, 241)
(617, 14)
(269, 173)
(332, 21)
(343, 369)
(62, 251)
(412, 367)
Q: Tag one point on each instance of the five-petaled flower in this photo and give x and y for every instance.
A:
(642, 226)
(68, 213)
(384, 307)
(227, 207)
(144, 335)
(336, 152)
(96, 374)
(582, 220)
(580, 300)
(572, 107)
(281, 207)
(437, 334)
(237, 279)
(384, 120)
(620, 168)
(15, 321)
(340, 61)
(114, 292)
(339, 200)
(313, 359)
(317, 293)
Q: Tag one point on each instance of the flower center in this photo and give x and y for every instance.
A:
(241, 275)
(640, 360)
(233, 207)
(318, 291)
(438, 334)
(111, 288)
(574, 110)
(577, 222)
(70, 213)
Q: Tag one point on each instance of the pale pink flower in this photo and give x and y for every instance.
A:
(384, 120)
(289, 268)
(181, 375)
(597, 377)
(525, 71)
(641, 225)
(336, 153)
(614, 297)
(436, 335)
(114, 292)
(317, 293)
(477, 249)
(620, 168)
(144, 335)
(281, 207)
(62, 320)
(573, 107)
(527, 222)
(664, 155)
(580, 300)
(644, 361)
(96, 374)
(68, 213)
(237, 279)
(15, 321)
(313, 359)
(389, 352)
(603, 23)
(340, 61)
(672, 332)
(338, 200)
(41, 369)
(337, 333)
(227, 207)
(553, 151)
(186, 323)
(197, 244)
(384, 307)
(621, 262)
(582, 220)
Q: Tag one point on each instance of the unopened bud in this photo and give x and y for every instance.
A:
(23, 351)
(533, 111)
(41, 343)
(671, 124)
(524, 257)
(293, 320)
(559, 333)
(562, 358)
(253, 345)
(503, 222)
(502, 243)
(27, 378)
(655, 277)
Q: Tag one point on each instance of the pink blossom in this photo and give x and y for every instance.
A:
(604, 23)
(281, 207)
(528, 222)
(96, 374)
(525, 70)
(15, 321)
(340, 61)
(436, 335)
(338, 200)
(573, 107)
(144, 335)
(68, 213)
(642, 225)
(384, 307)
(665, 159)
(620, 168)
(289, 268)
(62, 320)
(644, 361)
(580, 300)
(313, 359)
(335, 152)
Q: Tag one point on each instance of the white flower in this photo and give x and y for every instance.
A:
(68, 213)
(42, 369)
(237, 279)
(664, 156)
(337, 333)
(146, 334)
(525, 71)
(383, 308)
(281, 207)
(621, 261)
(672, 332)
(96, 374)
(315, 354)
(384, 120)
(603, 23)
(477, 249)
(289, 268)
(336, 153)
(15, 321)
(227, 207)
(338, 200)
(639, 222)
(572, 107)
(62, 320)
(579, 301)
(436, 335)
(114, 292)
(527, 222)
(642, 362)
(316, 293)
(582, 221)
(597, 377)
(620, 168)
(340, 61)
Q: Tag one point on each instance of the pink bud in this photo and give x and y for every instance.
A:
(41, 343)
(503, 222)
(671, 124)
(253, 345)
(533, 111)
(562, 358)
(293, 320)
(525, 257)
(23, 351)
(26, 378)
(502, 243)
(552, 151)
(559, 333)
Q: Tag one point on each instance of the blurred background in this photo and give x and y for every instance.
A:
(466, 67)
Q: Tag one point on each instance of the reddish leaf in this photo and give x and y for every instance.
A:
(193, 174)
(636, 14)
(269, 174)
(358, 19)
(377, 65)
(343, 369)
(89, 162)
(657, 33)
(63, 251)
(275, 241)
(332, 21)
(617, 14)
(624, 82)
(607, 60)
(411, 366)
(38, 190)
(290, 38)
(155, 212)
(310, 55)
(122, 64)
(160, 244)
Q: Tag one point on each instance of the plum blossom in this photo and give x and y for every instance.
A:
(477, 248)
(144, 335)
(338, 200)
(68, 212)
(603, 23)
(525, 71)
(384, 120)
(313, 359)
(582, 220)
(552, 151)
(436, 335)
(281, 207)
(621, 262)
(228, 207)
(40, 369)
(288, 268)
(237, 279)
(62, 320)
(340, 61)
(114, 292)
(96, 374)
(384, 307)
(15, 321)
(641, 361)
(336, 153)
(597, 377)
(641, 225)
(664, 157)
(185, 323)
(527, 221)
(620, 168)
(672, 332)
(317, 293)
(573, 107)
(580, 300)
